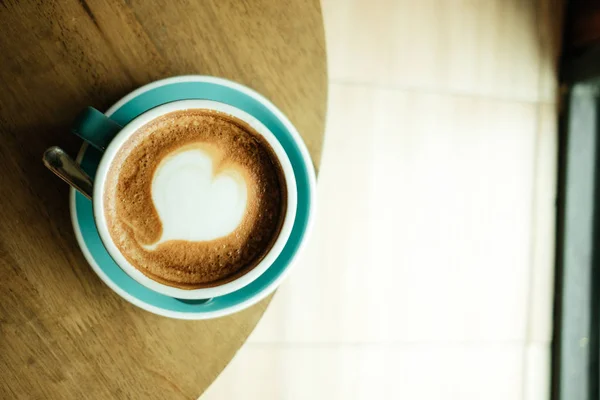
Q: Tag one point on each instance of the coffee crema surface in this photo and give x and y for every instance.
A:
(195, 198)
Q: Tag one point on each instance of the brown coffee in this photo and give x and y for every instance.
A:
(195, 199)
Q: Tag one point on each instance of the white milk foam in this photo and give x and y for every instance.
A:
(194, 205)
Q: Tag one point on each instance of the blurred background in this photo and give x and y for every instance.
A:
(431, 271)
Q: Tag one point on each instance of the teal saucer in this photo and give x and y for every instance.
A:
(216, 89)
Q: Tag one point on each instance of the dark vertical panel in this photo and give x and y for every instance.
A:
(576, 347)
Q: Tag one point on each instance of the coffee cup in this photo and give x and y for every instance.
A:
(185, 232)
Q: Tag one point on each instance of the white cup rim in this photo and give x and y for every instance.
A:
(202, 293)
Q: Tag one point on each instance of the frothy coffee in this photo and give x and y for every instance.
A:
(195, 198)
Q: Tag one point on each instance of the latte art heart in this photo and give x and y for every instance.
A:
(192, 203)
(195, 198)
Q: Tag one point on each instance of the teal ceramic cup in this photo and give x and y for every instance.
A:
(243, 98)
(109, 137)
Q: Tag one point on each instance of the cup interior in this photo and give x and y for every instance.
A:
(202, 293)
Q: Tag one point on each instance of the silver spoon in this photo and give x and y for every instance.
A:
(59, 162)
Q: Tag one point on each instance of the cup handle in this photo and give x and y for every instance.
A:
(95, 128)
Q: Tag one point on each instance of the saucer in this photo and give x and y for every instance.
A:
(234, 94)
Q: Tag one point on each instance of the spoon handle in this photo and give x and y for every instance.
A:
(59, 162)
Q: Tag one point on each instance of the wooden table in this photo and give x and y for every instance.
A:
(63, 333)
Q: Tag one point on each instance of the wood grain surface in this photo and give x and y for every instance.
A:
(63, 333)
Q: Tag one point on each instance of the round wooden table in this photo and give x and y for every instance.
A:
(63, 333)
